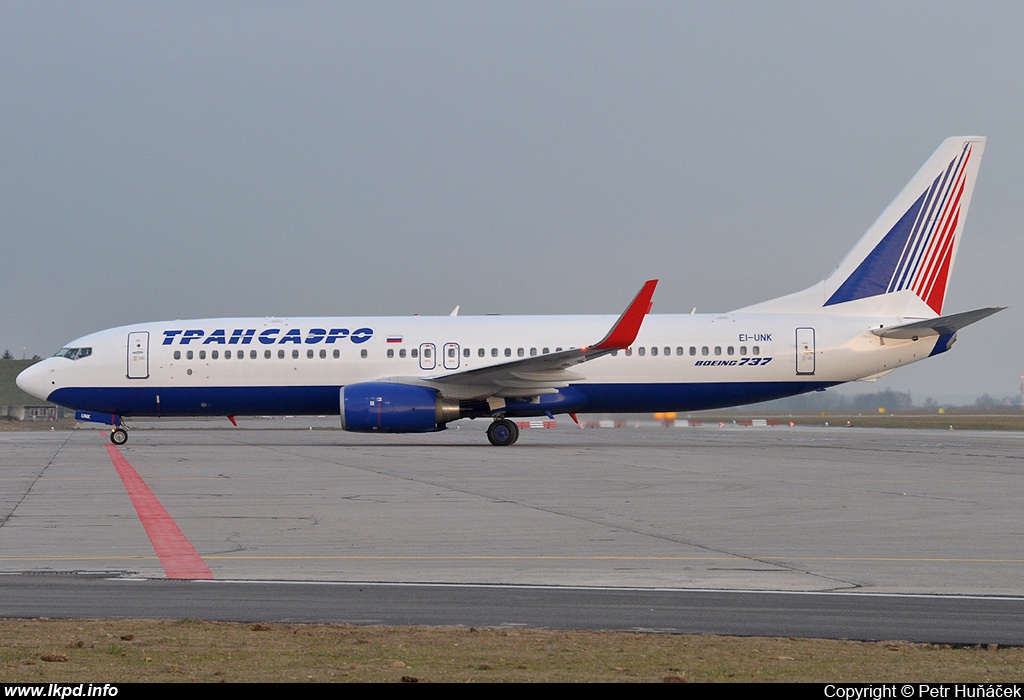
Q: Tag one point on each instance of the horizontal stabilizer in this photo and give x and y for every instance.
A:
(943, 325)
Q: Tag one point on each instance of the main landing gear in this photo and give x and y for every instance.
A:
(502, 432)
(119, 434)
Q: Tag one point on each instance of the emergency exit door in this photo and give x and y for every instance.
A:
(805, 351)
(138, 355)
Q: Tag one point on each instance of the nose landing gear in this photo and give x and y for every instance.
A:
(119, 434)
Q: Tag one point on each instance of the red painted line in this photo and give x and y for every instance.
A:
(177, 555)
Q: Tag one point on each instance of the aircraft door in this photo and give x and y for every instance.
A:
(805, 351)
(428, 360)
(451, 356)
(138, 355)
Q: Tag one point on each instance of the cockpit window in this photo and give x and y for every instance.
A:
(74, 353)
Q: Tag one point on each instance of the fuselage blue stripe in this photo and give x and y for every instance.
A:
(324, 400)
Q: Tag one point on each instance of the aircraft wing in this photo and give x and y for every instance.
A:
(543, 374)
(942, 325)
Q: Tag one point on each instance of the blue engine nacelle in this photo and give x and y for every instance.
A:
(395, 408)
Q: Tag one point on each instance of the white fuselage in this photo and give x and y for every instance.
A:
(240, 366)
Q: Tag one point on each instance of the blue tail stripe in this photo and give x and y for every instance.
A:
(872, 276)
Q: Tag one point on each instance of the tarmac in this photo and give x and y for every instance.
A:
(723, 508)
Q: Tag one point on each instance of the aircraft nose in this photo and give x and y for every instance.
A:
(35, 380)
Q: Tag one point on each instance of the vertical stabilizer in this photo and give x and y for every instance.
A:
(901, 266)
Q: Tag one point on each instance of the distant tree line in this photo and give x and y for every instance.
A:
(8, 356)
(888, 399)
(831, 401)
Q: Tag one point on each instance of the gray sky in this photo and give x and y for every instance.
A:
(180, 160)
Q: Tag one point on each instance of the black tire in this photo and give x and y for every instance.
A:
(502, 433)
(119, 436)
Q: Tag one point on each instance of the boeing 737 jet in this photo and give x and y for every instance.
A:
(880, 309)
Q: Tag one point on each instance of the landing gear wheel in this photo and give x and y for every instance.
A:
(502, 432)
(119, 436)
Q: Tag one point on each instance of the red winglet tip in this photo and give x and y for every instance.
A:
(625, 330)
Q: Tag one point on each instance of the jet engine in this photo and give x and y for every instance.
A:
(395, 408)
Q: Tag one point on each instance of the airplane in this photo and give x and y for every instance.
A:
(880, 309)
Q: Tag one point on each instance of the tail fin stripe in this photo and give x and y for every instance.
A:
(912, 248)
(940, 191)
(937, 291)
(940, 246)
(927, 280)
(951, 213)
(935, 197)
(917, 268)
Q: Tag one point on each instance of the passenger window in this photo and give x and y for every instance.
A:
(189, 355)
(508, 352)
(641, 351)
(629, 352)
(729, 350)
(743, 350)
(391, 352)
(704, 350)
(280, 354)
(718, 349)
(654, 351)
(401, 353)
(679, 350)
(519, 352)
(545, 351)
(415, 352)
(481, 352)
(533, 352)
(177, 354)
(693, 350)
(757, 350)
(451, 353)
(668, 351)
(309, 354)
(337, 353)
(202, 354)
(362, 353)
(494, 352)
(323, 354)
(465, 352)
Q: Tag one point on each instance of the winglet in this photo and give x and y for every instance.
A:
(625, 330)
